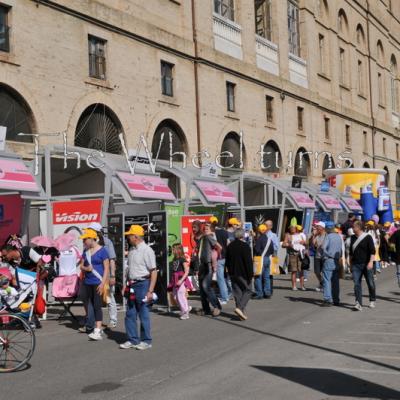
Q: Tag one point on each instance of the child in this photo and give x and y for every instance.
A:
(8, 294)
(179, 268)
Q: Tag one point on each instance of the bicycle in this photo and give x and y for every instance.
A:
(17, 342)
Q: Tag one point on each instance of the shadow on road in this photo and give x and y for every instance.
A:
(331, 382)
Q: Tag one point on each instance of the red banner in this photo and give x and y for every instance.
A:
(77, 212)
(11, 207)
(186, 230)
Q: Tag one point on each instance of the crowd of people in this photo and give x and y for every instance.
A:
(222, 265)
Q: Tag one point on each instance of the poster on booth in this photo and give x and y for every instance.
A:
(384, 199)
(75, 215)
(186, 231)
(11, 207)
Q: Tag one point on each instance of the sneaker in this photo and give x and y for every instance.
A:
(326, 304)
(184, 316)
(240, 314)
(223, 302)
(372, 304)
(127, 345)
(216, 312)
(303, 288)
(82, 329)
(318, 289)
(190, 309)
(358, 306)
(294, 288)
(95, 335)
(143, 346)
(112, 325)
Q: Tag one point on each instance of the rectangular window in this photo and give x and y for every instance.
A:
(270, 108)
(97, 57)
(365, 142)
(397, 152)
(294, 27)
(321, 43)
(263, 17)
(300, 116)
(4, 29)
(384, 146)
(347, 135)
(230, 96)
(225, 8)
(360, 77)
(326, 127)
(167, 79)
(394, 93)
(342, 66)
(381, 91)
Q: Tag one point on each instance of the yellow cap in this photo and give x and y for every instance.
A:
(136, 230)
(299, 227)
(370, 223)
(89, 234)
(233, 221)
(213, 220)
(262, 228)
(387, 223)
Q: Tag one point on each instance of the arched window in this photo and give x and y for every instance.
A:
(98, 128)
(232, 144)
(360, 36)
(343, 25)
(323, 10)
(394, 91)
(328, 162)
(15, 115)
(380, 55)
(302, 163)
(272, 158)
(366, 165)
(168, 138)
(387, 176)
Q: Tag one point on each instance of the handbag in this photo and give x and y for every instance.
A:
(305, 262)
(40, 303)
(258, 261)
(65, 286)
(274, 266)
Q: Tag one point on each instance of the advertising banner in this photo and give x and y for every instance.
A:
(302, 199)
(11, 208)
(14, 175)
(329, 202)
(216, 192)
(186, 230)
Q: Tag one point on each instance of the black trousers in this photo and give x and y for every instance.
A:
(241, 289)
(90, 297)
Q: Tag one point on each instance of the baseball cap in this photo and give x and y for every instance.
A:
(89, 234)
(262, 228)
(329, 224)
(95, 226)
(213, 220)
(233, 221)
(321, 224)
(370, 223)
(136, 230)
(387, 223)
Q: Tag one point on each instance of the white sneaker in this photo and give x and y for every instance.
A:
(184, 316)
(96, 335)
(294, 288)
(303, 288)
(112, 325)
(317, 289)
(223, 302)
(358, 306)
(143, 346)
(128, 345)
(372, 304)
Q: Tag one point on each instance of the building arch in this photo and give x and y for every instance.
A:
(302, 163)
(380, 53)
(343, 24)
(394, 87)
(232, 143)
(387, 176)
(366, 165)
(272, 157)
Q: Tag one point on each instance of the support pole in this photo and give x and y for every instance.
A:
(47, 172)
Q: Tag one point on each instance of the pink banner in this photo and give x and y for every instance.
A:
(302, 199)
(352, 204)
(11, 208)
(330, 202)
(14, 175)
(146, 186)
(216, 192)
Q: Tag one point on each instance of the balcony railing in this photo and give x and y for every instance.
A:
(267, 55)
(227, 36)
(4, 38)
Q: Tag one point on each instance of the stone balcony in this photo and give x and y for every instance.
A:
(298, 70)
(267, 55)
(227, 36)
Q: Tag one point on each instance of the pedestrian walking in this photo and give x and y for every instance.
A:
(240, 269)
(207, 293)
(222, 238)
(362, 254)
(233, 224)
(372, 229)
(141, 281)
(317, 240)
(295, 244)
(332, 252)
(95, 266)
(395, 240)
(109, 246)
(384, 244)
(180, 282)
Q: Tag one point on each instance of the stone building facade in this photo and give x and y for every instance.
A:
(282, 76)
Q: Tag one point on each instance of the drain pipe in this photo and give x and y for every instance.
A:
(196, 81)
(370, 85)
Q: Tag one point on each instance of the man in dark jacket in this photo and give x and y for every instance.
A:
(239, 264)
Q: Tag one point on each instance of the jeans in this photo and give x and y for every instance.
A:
(241, 291)
(223, 288)
(360, 270)
(330, 278)
(262, 283)
(138, 308)
(207, 293)
(112, 306)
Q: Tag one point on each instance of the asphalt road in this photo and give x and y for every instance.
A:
(290, 348)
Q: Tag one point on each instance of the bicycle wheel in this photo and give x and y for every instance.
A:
(17, 342)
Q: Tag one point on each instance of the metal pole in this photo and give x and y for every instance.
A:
(107, 194)
(242, 211)
(280, 218)
(187, 197)
(47, 172)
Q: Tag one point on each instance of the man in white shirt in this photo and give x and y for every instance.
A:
(142, 278)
